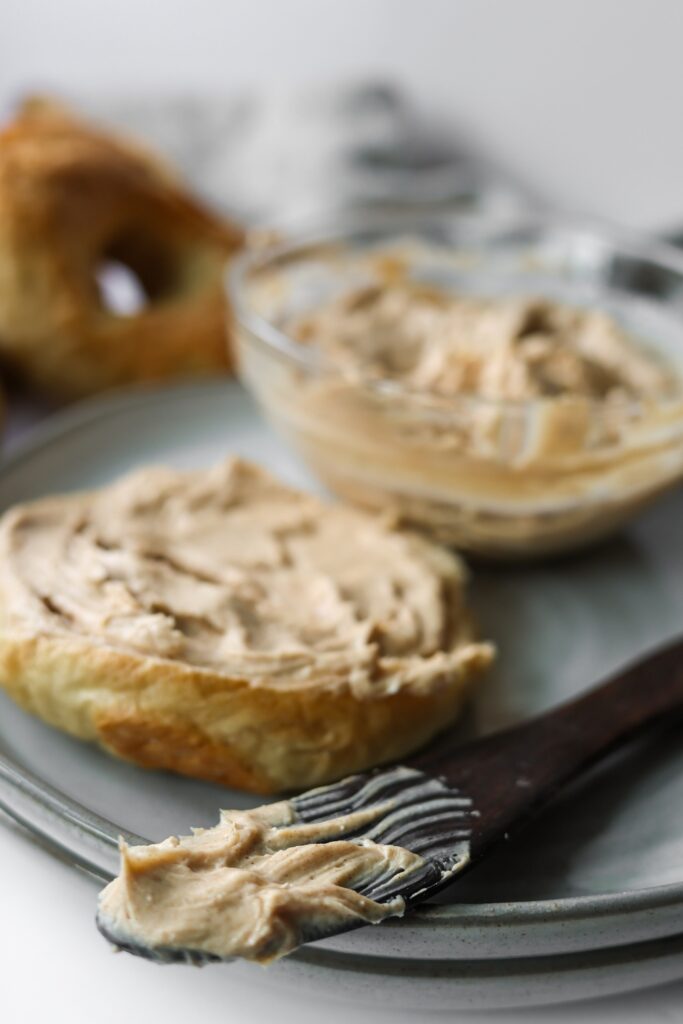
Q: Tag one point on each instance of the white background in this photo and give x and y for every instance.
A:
(581, 98)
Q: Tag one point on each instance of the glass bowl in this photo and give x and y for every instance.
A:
(500, 478)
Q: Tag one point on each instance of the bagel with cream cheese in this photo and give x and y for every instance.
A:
(219, 624)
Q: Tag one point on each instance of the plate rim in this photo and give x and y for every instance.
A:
(567, 909)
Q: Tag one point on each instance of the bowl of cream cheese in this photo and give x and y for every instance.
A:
(513, 387)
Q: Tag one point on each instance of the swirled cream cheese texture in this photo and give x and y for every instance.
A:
(255, 886)
(509, 425)
(500, 349)
(230, 570)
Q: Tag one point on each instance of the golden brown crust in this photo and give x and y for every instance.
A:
(161, 714)
(72, 198)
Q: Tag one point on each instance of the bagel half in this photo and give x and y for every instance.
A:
(74, 200)
(221, 625)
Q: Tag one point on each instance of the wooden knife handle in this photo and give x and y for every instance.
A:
(511, 774)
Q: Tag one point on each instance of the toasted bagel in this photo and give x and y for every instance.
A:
(221, 625)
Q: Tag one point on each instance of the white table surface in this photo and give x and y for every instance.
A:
(581, 99)
(56, 967)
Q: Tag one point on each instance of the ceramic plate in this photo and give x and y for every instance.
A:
(602, 868)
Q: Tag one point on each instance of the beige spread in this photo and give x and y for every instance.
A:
(507, 425)
(229, 570)
(255, 886)
(510, 349)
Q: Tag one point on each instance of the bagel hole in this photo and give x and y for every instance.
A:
(134, 271)
(120, 289)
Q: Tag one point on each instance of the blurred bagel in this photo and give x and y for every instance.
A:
(74, 201)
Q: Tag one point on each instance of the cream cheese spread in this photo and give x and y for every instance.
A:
(255, 886)
(503, 349)
(232, 571)
(510, 426)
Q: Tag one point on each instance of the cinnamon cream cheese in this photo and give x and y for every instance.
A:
(505, 349)
(223, 625)
(508, 426)
(230, 570)
(255, 886)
